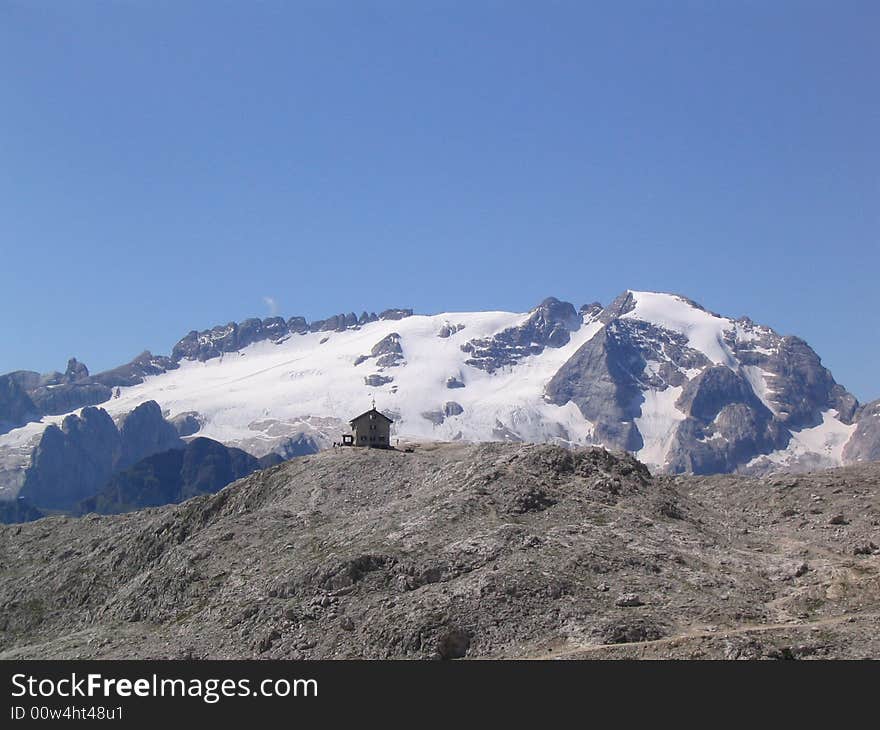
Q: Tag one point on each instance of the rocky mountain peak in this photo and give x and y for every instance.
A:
(865, 442)
(76, 371)
(591, 310)
(729, 390)
(16, 407)
(621, 304)
(550, 324)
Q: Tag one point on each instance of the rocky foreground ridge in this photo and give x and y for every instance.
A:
(460, 550)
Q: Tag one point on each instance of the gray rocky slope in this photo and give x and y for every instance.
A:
(457, 550)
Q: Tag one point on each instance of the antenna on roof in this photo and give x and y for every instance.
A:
(374, 402)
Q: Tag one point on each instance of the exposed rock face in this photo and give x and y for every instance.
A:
(76, 371)
(16, 407)
(234, 336)
(56, 393)
(732, 411)
(590, 311)
(298, 325)
(143, 432)
(72, 462)
(299, 445)
(450, 408)
(727, 425)
(447, 330)
(389, 345)
(549, 325)
(453, 382)
(203, 466)
(603, 379)
(186, 424)
(67, 397)
(250, 331)
(707, 394)
(623, 304)
(202, 345)
(387, 353)
(134, 372)
(865, 442)
(375, 380)
(275, 328)
(336, 323)
(27, 380)
(395, 314)
(208, 343)
(799, 387)
(459, 550)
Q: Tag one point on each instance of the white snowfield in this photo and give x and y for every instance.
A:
(705, 331)
(266, 393)
(314, 375)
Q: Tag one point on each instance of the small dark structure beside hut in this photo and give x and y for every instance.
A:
(371, 429)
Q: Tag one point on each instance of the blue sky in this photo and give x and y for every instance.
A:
(170, 165)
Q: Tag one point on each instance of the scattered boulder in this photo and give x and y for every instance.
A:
(453, 644)
(631, 632)
(629, 600)
(868, 548)
(531, 499)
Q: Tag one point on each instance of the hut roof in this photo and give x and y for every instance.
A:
(369, 413)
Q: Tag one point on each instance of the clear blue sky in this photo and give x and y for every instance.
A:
(166, 166)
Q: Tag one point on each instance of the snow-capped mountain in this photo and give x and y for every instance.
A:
(655, 374)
